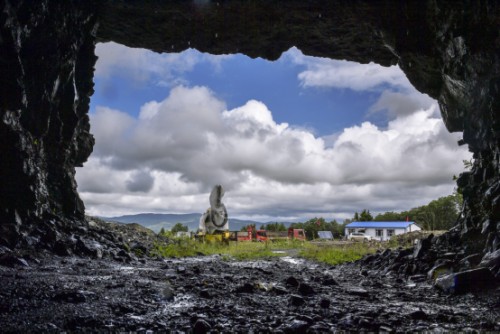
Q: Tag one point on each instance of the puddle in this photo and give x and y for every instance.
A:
(292, 260)
(127, 268)
(180, 303)
(197, 259)
(299, 262)
(252, 264)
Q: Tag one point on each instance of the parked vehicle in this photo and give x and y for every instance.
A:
(291, 234)
(358, 236)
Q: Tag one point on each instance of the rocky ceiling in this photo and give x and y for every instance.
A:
(449, 50)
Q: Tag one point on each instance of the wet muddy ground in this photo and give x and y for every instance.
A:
(203, 294)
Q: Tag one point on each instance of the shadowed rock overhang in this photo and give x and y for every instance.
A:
(449, 50)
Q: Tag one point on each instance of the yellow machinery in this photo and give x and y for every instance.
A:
(218, 236)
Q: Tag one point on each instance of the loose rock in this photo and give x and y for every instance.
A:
(466, 281)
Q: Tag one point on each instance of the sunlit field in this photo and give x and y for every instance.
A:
(337, 253)
(329, 253)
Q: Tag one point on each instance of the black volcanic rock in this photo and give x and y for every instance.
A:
(466, 281)
(46, 68)
(79, 295)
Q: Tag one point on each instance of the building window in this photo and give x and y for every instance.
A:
(390, 233)
(379, 233)
(351, 230)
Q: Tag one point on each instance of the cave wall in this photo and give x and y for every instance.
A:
(449, 50)
(46, 70)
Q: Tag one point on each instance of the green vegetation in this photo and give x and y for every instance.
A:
(327, 253)
(440, 214)
(364, 216)
(275, 227)
(185, 247)
(179, 227)
(336, 254)
(246, 227)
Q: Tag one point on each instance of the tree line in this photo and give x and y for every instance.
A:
(439, 214)
(311, 227)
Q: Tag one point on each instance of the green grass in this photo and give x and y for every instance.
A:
(336, 254)
(328, 253)
(184, 247)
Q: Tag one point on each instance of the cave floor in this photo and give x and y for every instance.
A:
(212, 293)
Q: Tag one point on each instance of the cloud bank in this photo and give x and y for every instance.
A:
(168, 158)
(140, 65)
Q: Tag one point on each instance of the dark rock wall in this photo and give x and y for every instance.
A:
(46, 69)
(448, 49)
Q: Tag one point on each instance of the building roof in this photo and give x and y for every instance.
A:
(375, 224)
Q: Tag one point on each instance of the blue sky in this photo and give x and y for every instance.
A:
(289, 140)
(240, 78)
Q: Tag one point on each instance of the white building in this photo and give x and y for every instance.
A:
(381, 230)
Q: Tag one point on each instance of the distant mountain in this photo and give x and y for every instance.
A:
(157, 221)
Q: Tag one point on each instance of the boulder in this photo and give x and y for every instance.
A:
(201, 326)
(297, 300)
(292, 281)
(422, 247)
(89, 248)
(490, 259)
(245, 288)
(470, 261)
(305, 289)
(297, 326)
(324, 303)
(10, 260)
(440, 270)
(329, 281)
(466, 281)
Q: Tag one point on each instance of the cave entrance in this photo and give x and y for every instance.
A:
(290, 140)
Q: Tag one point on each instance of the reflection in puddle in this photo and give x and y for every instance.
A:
(292, 260)
(180, 302)
(252, 264)
(299, 262)
(127, 268)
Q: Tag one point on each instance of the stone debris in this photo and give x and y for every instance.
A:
(75, 295)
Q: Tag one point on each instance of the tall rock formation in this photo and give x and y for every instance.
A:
(46, 69)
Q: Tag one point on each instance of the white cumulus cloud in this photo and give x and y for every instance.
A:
(141, 65)
(168, 158)
(324, 72)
